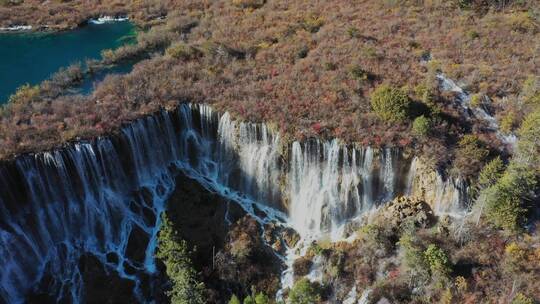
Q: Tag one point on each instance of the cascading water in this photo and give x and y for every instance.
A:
(90, 197)
(447, 196)
(85, 198)
(329, 184)
(464, 100)
(96, 197)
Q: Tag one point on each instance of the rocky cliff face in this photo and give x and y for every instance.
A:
(444, 195)
(106, 196)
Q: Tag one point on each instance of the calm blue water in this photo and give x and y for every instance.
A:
(32, 58)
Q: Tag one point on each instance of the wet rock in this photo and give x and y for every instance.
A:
(278, 246)
(103, 286)
(404, 208)
(280, 237)
(430, 186)
(146, 196)
(291, 237)
(302, 266)
(383, 301)
(259, 212)
(199, 218)
(112, 258)
(270, 232)
(130, 269)
(136, 248)
(246, 260)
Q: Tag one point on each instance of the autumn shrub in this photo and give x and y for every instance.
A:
(472, 34)
(312, 23)
(470, 156)
(476, 100)
(522, 299)
(484, 5)
(522, 22)
(248, 3)
(530, 92)
(241, 248)
(438, 260)
(305, 292)
(234, 300)
(508, 122)
(390, 104)
(25, 94)
(156, 38)
(353, 32)
(183, 51)
(10, 2)
(515, 256)
(359, 74)
(271, 85)
(421, 126)
(178, 23)
(378, 240)
(424, 92)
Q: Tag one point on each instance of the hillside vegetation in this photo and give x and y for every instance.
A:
(366, 72)
(69, 14)
(311, 68)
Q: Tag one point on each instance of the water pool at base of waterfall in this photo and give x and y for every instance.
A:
(33, 57)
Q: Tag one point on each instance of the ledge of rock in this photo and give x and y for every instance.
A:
(406, 208)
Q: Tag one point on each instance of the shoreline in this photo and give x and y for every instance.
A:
(46, 28)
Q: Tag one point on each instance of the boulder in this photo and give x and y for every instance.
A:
(406, 208)
(291, 237)
(302, 266)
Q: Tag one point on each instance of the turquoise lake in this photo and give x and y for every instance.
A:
(33, 57)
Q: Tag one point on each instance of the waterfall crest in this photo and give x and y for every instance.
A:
(96, 196)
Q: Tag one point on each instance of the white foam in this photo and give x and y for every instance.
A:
(16, 28)
(464, 100)
(107, 19)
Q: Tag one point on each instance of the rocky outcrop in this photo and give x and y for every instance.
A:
(229, 250)
(280, 237)
(407, 209)
(201, 218)
(247, 262)
(445, 195)
(302, 266)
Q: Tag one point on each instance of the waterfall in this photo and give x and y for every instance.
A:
(464, 100)
(94, 197)
(105, 196)
(330, 183)
(411, 176)
(446, 195)
(90, 197)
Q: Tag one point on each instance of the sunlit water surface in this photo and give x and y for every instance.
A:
(33, 57)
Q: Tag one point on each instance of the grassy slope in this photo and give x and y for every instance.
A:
(293, 63)
(63, 15)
